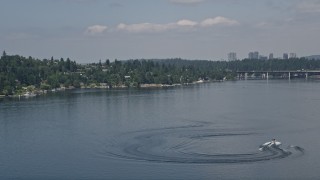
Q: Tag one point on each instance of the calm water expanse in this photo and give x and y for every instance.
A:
(203, 131)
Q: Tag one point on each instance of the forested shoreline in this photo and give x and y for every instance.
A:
(20, 75)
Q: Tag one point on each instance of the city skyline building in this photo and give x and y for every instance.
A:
(256, 55)
(271, 56)
(253, 55)
(261, 57)
(232, 56)
(292, 55)
(250, 55)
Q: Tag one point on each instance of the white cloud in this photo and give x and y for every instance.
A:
(143, 27)
(152, 27)
(218, 21)
(187, 1)
(96, 29)
(186, 22)
(75, 1)
(183, 24)
(179, 25)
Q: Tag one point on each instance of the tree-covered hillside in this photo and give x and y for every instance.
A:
(18, 73)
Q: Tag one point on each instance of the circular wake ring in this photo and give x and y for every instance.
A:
(179, 145)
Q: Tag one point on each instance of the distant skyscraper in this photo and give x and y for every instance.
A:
(285, 56)
(253, 55)
(261, 57)
(256, 55)
(292, 55)
(271, 56)
(250, 55)
(232, 56)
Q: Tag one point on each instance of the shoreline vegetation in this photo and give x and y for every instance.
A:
(36, 92)
(28, 77)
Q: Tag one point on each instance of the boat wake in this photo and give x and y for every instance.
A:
(192, 144)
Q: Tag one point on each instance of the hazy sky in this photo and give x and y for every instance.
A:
(89, 30)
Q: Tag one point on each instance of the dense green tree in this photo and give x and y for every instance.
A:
(4, 54)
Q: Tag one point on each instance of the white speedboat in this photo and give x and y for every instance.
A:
(29, 94)
(273, 143)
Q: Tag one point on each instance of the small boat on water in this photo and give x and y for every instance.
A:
(29, 94)
(272, 143)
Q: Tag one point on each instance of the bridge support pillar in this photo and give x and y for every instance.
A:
(267, 75)
(245, 76)
(306, 76)
(289, 75)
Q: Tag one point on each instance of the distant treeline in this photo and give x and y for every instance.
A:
(248, 64)
(18, 72)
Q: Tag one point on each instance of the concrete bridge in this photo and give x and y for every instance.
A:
(288, 74)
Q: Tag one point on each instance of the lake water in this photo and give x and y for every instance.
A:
(204, 131)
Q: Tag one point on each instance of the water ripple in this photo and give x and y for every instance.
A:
(181, 145)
